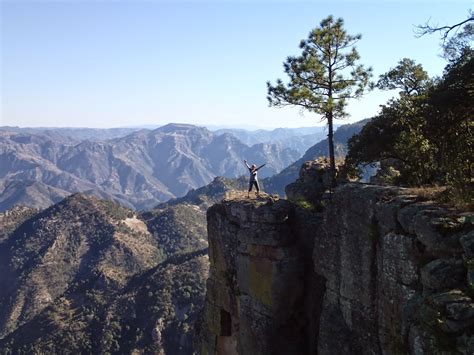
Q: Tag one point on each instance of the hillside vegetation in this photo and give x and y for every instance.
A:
(87, 275)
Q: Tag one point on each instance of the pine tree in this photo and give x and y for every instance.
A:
(324, 77)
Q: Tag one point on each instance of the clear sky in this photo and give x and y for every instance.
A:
(126, 63)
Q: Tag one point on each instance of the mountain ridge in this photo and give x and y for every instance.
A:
(138, 170)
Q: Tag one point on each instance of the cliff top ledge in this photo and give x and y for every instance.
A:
(241, 196)
(266, 209)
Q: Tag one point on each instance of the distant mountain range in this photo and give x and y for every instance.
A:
(75, 134)
(299, 139)
(141, 168)
(138, 170)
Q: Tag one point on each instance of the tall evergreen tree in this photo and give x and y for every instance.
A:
(324, 77)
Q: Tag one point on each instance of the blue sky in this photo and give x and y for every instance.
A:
(124, 63)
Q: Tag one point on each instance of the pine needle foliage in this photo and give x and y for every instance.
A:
(324, 77)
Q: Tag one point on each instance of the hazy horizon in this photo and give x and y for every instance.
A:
(153, 126)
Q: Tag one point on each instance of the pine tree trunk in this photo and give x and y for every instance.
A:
(330, 118)
(332, 160)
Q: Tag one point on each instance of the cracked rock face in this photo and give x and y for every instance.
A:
(377, 271)
(385, 257)
(255, 286)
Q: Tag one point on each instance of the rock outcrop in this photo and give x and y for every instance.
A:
(313, 182)
(376, 271)
(277, 183)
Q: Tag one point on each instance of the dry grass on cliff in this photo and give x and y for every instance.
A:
(242, 195)
(441, 195)
(428, 193)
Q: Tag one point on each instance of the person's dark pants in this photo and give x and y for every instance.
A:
(252, 184)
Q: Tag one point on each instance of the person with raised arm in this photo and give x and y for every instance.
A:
(253, 181)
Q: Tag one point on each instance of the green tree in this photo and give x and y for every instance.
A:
(451, 127)
(396, 137)
(324, 77)
(408, 76)
(427, 136)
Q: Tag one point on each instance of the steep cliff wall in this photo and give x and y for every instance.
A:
(372, 270)
(256, 284)
(396, 274)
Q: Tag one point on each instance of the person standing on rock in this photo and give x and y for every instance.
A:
(253, 181)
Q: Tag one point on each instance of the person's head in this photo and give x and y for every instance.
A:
(254, 167)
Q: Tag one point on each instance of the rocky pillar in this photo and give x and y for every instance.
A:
(255, 295)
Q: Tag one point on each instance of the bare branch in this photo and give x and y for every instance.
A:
(427, 28)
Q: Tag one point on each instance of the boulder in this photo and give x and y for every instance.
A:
(314, 180)
(443, 274)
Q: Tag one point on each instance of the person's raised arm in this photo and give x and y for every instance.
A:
(261, 166)
(248, 166)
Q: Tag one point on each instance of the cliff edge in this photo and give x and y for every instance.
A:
(366, 270)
